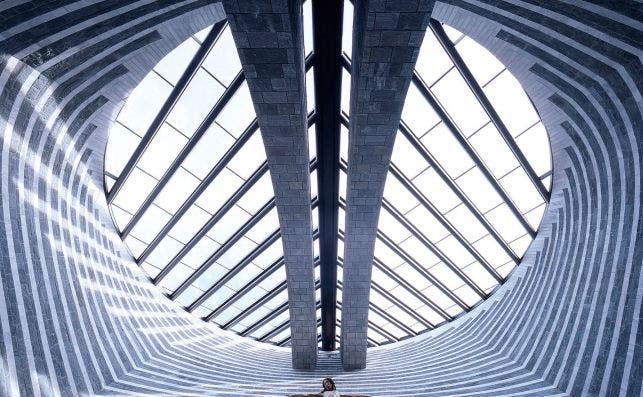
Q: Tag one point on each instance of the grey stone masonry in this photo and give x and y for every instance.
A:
(269, 39)
(386, 41)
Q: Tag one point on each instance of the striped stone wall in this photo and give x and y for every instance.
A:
(78, 317)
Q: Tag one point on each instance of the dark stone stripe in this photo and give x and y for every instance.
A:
(616, 29)
(36, 33)
(23, 12)
(52, 50)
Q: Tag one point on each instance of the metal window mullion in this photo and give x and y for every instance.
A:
(168, 105)
(236, 270)
(184, 153)
(268, 317)
(466, 145)
(434, 280)
(234, 149)
(486, 105)
(447, 225)
(274, 236)
(397, 323)
(221, 212)
(232, 240)
(375, 327)
(279, 328)
(408, 287)
(433, 248)
(269, 271)
(407, 258)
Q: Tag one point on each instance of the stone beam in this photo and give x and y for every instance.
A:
(386, 41)
(269, 39)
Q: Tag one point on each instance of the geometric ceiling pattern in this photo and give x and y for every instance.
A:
(189, 188)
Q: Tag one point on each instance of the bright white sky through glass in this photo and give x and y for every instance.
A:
(444, 229)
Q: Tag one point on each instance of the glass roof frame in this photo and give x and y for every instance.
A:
(263, 319)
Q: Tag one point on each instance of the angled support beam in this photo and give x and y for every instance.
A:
(386, 42)
(270, 41)
(462, 67)
(167, 107)
(433, 248)
(466, 145)
(185, 152)
(327, 47)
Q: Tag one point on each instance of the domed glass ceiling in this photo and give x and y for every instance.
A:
(190, 191)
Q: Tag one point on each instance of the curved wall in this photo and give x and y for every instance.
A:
(78, 317)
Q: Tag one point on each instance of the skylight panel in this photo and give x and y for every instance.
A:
(249, 158)
(164, 147)
(436, 190)
(144, 103)
(347, 29)
(188, 296)
(534, 215)
(464, 221)
(177, 190)
(197, 100)
(505, 222)
(391, 227)
(174, 64)
(179, 274)
(522, 192)
(213, 274)
(455, 251)
(136, 188)
(236, 253)
(121, 217)
(520, 245)
(189, 224)
(207, 153)
(482, 64)
(220, 190)
(448, 152)
(123, 142)
(238, 113)
(135, 246)
(479, 275)
(269, 255)
(534, 144)
(418, 115)
(150, 224)
(458, 100)
(164, 252)
(479, 190)
(422, 254)
(398, 195)
(433, 62)
(200, 252)
(228, 224)
(223, 61)
(428, 225)
(494, 152)
(407, 158)
(265, 227)
(408, 272)
(256, 197)
(512, 104)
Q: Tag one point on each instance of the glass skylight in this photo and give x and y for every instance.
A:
(190, 191)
